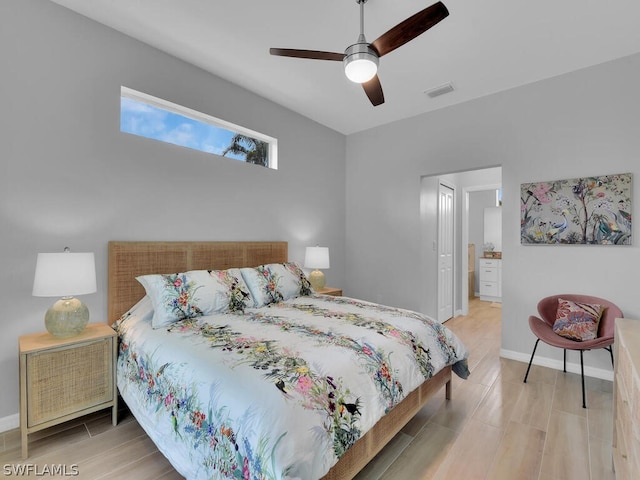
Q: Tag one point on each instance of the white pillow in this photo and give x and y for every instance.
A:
(142, 310)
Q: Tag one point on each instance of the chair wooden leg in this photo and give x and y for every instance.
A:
(565, 361)
(530, 361)
(610, 348)
(584, 403)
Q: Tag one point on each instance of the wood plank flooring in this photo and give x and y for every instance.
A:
(494, 428)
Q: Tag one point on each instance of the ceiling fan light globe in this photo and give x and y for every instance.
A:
(360, 63)
(360, 70)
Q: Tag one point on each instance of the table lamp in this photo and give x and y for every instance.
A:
(316, 258)
(65, 275)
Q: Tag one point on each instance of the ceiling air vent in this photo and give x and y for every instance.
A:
(439, 90)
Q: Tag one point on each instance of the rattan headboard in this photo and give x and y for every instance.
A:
(127, 260)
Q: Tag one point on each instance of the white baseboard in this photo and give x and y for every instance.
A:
(558, 364)
(10, 422)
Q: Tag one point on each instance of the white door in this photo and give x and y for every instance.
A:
(445, 253)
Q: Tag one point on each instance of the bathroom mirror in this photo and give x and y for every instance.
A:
(493, 227)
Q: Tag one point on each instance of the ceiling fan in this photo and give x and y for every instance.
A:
(361, 59)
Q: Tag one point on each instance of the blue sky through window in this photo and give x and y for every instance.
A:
(142, 119)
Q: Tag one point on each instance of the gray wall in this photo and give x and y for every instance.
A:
(582, 123)
(69, 177)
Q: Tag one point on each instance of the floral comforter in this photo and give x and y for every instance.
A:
(279, 392)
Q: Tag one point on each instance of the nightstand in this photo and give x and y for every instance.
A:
(335, 292)
(65, 378)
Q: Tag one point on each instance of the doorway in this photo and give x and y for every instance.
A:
(479, 200)
(462, 183)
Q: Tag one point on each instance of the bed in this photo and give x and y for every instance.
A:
(223, 395)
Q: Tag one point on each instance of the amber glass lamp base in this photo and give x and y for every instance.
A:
(317, 280)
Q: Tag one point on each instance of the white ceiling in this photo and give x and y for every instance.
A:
(482, 47)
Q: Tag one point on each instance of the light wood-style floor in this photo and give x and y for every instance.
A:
(494, 428)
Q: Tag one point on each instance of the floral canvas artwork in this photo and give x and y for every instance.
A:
(587, 210)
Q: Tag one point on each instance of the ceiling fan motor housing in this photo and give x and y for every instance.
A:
(360, 62)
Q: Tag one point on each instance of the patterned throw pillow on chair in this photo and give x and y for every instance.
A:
(576, 320)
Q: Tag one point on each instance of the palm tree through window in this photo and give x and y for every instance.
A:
(158, 119)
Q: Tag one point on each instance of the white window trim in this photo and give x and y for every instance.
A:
(132, 94)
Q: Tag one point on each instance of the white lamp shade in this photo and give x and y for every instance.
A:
(64, 274)
(316, 257)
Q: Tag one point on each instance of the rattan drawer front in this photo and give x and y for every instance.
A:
(626, 394)
(68, 379)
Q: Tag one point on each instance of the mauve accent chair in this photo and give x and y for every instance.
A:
(542, 327)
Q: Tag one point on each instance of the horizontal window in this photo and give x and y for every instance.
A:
(152, 117)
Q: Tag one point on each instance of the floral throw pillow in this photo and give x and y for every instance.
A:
(184, 295)
(291, 280)
(275, 282)
(576, 320)
(262, 283)
(238, 293)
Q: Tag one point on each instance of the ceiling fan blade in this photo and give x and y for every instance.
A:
(373, 89)
(312, 54)
(410, 28)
